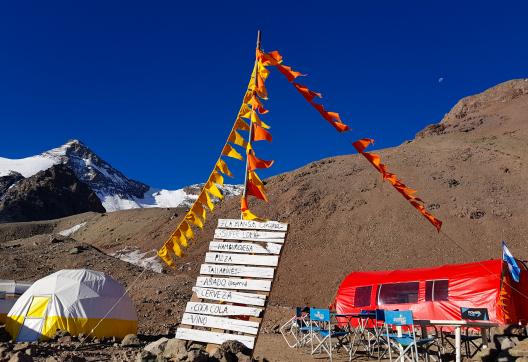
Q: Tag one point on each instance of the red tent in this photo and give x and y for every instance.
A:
(440, 292)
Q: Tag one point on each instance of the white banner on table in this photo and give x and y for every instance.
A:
(237, 270)
(248, 224)
(213, 337)
(229, 324)
(233, 283)
(241, 259)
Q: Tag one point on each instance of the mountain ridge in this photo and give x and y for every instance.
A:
(113, 188)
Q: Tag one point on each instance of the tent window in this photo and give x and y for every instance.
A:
(362, 296)
(398, 293)
(436, 290)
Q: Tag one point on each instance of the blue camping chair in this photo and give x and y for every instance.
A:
(405, 342)
(322, 332)
(296, 332)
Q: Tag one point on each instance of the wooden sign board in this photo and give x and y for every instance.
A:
(230, 296)
(252, 225)
(213, 337)
(249, 248)
(241, 259)
(229, 324)
(250, 235)
(234, 282)
(237, 270)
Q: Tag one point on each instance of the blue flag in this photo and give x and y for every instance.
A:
(515, 271)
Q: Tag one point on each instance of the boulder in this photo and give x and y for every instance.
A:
(146, 356)
(157, 347)
(20, 357)
(131, 340)
(196, 355)
(235, 347)
(175, 349)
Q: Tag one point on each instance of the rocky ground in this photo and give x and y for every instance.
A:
(471, 169)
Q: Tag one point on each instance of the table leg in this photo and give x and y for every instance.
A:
(484, 334)
(457, 344)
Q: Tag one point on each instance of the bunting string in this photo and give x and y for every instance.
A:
(275, 59)
(247, 120)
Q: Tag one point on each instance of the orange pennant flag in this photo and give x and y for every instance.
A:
(306, 93)
(256, 104)
(261, 88)
(221, 165)
(255, 186)
(243, 203)
(288, 72)
(260, 134)
(406, 192)
(254, 162)
(229, 151)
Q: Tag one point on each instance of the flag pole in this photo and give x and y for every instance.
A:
(259, 37)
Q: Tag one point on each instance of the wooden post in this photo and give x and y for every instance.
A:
(255, 81)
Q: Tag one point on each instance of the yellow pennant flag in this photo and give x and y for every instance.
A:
(217, 178)
(237, 139)
(245, 112)
(221, 165)
(206, 200)
(194, 219)
(199, 210)
(255, 119)
(241, 124)
(180, 238)
(248, 215)
(163, 253)
(175, 248)
(229, 151)
(213, 189)
(186, 230)
(255, 179)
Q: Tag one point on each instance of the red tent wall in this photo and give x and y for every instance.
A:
(474, 285)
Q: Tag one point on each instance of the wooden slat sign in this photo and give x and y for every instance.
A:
(213, 337)
(234, 282)
(250, 235)
(221, 309)
(241, 259)
(230, 296)
(237, 270)
(248, 224)
(250, 248)
(229, 324)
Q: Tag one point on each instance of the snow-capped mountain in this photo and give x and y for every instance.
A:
(115, 190)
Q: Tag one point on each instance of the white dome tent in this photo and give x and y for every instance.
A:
(73, 300)
(10, 291)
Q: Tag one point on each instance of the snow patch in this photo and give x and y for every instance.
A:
(72, 230)
(136, 257)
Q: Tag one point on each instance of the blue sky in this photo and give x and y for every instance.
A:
(153, 87)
